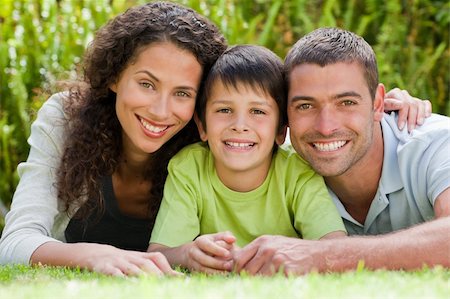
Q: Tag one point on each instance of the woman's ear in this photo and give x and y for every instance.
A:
(378, 103)
(201, 129)
(113, 87)
(281, 137)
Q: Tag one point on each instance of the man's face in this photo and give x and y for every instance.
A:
(331, 116)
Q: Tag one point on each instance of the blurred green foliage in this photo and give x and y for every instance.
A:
(42, 41)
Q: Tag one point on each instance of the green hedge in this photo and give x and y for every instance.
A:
(43, 41)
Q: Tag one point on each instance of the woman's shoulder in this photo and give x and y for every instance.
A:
(54, 106)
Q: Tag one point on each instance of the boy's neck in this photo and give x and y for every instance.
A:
(243, 181)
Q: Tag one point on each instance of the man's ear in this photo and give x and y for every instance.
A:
(378, 103)
(201, 129)
(281, 137)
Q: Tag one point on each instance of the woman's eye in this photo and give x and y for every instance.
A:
(146, 85)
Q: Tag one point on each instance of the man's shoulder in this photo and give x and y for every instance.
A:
(435, 127)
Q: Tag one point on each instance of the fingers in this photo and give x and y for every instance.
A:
(204, 262)
(411, 111)
(218, 244)
(428, 108)
(252, 257)
(158, 264)
(226, 237)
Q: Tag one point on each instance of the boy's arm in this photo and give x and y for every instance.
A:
(208, 253)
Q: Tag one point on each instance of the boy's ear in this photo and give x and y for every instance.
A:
(378, 103)
(281, 137)
(201, 130)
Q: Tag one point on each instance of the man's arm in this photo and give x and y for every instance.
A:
(426, 244)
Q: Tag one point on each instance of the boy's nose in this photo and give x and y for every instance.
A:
(240, 123)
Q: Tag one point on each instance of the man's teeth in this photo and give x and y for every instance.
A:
(329, 146)
(152, 128)
(239, 145)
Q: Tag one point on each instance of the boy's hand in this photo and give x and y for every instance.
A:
(212, 253)
(411, 110)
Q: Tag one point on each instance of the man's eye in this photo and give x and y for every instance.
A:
(182, 94)
(304, 106)
(348, 103)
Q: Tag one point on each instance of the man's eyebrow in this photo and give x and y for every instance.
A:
(301, 98)
(348, 94)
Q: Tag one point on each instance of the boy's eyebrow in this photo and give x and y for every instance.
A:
(261, 103)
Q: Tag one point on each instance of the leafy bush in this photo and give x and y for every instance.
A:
(42, 41)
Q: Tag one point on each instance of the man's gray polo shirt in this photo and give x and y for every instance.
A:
(416, 169)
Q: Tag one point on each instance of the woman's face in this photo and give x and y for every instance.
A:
(156, 97)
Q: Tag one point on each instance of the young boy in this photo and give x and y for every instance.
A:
(239, 184)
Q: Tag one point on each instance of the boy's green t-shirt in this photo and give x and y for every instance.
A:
(293, 201)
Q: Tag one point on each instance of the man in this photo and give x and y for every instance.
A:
(385, 182)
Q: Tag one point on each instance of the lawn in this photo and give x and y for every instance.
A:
(46, 282)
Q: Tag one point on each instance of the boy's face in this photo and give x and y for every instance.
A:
(241, 128)
(331, 115)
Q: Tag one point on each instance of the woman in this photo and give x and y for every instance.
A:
(91, 187)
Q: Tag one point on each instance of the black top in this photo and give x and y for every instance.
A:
(113, 228)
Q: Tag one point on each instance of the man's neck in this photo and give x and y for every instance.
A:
(357, 187)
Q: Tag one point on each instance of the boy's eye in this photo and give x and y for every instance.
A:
(257, 111)
(224, 110)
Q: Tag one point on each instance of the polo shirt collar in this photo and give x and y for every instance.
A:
(390, 177)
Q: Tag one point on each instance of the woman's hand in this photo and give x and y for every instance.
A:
(119, 262)
(411, 110)
(102, 258)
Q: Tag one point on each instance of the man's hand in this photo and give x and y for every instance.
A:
(268, 255)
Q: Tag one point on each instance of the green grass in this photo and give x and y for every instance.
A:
(48, 282)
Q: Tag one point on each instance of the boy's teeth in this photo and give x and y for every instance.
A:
(239, 145)
(329, 146)
(152, 128)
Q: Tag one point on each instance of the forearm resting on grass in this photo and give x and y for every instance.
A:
(101, 258)
(427, 244)
(210, 254)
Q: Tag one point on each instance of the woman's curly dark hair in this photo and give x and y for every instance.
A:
(94, 143)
